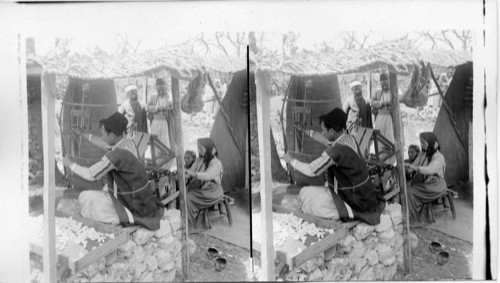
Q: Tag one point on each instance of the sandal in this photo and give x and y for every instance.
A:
(213, 253)
(443, 257)
(435, 247)
(220, 263)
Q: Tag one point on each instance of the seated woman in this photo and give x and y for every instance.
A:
(413, 152)
(428, 182)
(205, 189)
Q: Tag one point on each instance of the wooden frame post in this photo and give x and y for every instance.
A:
(179, 153)
(396, 122)
(263, 82)
(49, 183)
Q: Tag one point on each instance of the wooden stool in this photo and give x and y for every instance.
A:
(446, 203)
(224, 200)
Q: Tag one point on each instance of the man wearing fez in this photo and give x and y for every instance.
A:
(354, 197)
(383, 120)
(157, 107)
(129, 198)
(357, 108)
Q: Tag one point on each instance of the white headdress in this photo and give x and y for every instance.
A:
(130, 88)
(354, 83)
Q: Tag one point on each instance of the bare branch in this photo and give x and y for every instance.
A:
(446, 40)
(218, 36)
(464, 38)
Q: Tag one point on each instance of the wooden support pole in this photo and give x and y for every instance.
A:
(263, 82)
(450, 113)
(179, 153)
(49, 183)
(398, 136)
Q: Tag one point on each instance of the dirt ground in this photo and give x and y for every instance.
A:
(424, 263)
(238, 266)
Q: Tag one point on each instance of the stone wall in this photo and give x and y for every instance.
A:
(368, 253)
(149, 256)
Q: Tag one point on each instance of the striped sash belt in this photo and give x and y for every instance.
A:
(133, 192)
(353, 187)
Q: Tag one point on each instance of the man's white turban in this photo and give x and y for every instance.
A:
(354, 83)
(130, 88)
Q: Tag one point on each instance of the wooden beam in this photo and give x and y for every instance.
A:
(450, 113)
(49, 179)
(176, 128)
(263, 82)
(398, 136)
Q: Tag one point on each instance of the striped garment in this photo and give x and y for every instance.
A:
(128, 185)
(354, 196)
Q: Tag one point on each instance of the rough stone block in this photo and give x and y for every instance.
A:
(387, 235)
(177, 246)
(396, 243)
(359, 264)
(370, 242)
(385, 223)
(371, 257)
(316, 275)
(389, 272)
(383, 251)
(142, 236)
(168, 266)
(346, 243)
(330, 253)
(164, 257)
(174, 217)
(170, 277)
(394, 211)
(178, 264)
(347, 275)
(311, 264)
(400, 258)
(111, 258)
(331, 275)
(139, 254)
(127, 248)
(115, 273)
(389, 261)
(191, 247)
(378, 272)
(97, 278)
(91, 270)
(366, 274)
(165, 229)
(357, 251)
(150, 248)
(158, 275)
(128, 278)
(166, 242)
(139, 269)
(336, 264)
(354, 278)
(362, 230)
(146, 276)
(151, 262)
(399, 229)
